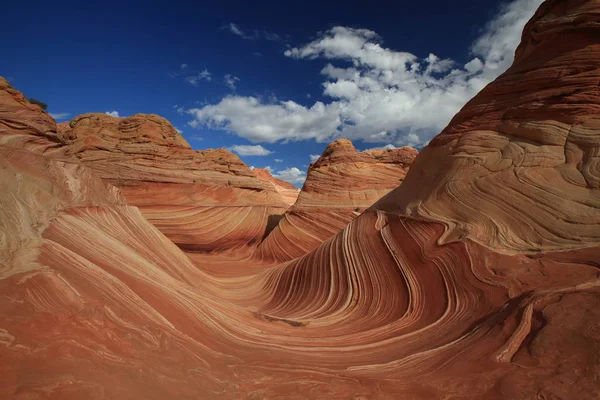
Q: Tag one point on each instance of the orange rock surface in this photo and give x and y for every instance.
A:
(476, 278)
(288, 192)
(340, 185)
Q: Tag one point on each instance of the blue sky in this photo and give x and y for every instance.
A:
(279, 79)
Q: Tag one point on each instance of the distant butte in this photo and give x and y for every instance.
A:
(475, 276)
(340, 185)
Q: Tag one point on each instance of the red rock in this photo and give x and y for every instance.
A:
(288, 192)
(205, 200)
(24, 124)
(339, 186)
(434, 292)
(518, 168)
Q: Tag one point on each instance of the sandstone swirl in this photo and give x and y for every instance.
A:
(340, 185)
(476, 278)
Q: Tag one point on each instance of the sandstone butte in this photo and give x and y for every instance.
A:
(339, 186)
(476, 278)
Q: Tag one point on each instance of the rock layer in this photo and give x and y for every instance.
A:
(205, 200)
(340, 185)
(288, 192)
(431, 293)
(518, 168)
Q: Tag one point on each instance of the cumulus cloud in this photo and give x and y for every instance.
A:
(230, 81)
(249, 150)
(292, 175)
(60, 116)
(257, 121)
(377, 94)
(197, 78)
(268, 168)
(178, 130)
(314, 157)
(112, 113)
(278, 160)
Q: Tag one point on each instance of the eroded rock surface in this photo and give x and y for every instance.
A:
(477, 278)
(340, 185)
(288, 192)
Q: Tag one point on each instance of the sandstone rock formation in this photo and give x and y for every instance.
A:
(23, 124)
(518, 168)
(339, 186)
(197, 198)
(288, 192)
(206, 200)
(482, 285)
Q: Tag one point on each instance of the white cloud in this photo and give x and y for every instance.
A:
(386, 147)
(236, 30)
(250, 118)
(314, 157)
(405, 98)
(200, 76)
(272, 36)
(193, 124)
(256, 34)
(230, 81)
(182, 69)
(112, 113)
(278, 160)
(292, 175)
(249, 150)
(60, 116)
(268, 168)
(178, 130)
(179, 109)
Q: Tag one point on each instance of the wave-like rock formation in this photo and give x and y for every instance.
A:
(339, 186)
(518, 168)
(288, 192)
(431, 293)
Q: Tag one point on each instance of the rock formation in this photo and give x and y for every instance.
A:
(23, 124)
(206, 200)
(288, 192)
(476, 278)
(339, 186)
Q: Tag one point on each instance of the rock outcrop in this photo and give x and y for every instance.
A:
(339, 186)
(518, 168)
(206, 200)
(288, 192)
(476, 278)
(23, 124)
